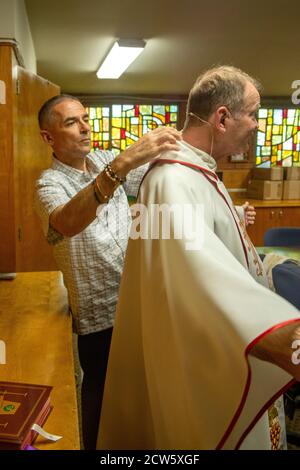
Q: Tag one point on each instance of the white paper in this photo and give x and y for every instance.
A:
(39, 430)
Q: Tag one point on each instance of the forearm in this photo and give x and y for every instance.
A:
(73, 217)
(77, 214)
(276, 347)
(123, 164)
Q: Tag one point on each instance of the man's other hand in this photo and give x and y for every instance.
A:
(249, 213)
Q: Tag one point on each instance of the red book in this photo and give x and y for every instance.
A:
(22, 405)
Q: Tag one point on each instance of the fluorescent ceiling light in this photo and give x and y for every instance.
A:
(121, 55)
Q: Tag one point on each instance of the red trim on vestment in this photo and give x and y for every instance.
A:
(226, 202)
(262, 411)
(270, 330)
(206, 172)
(155, 162)
(246, 389)
(191, 165)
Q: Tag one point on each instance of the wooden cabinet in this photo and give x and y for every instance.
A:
(23, 156)
(273, 216)
(7, 183)
(31, 157)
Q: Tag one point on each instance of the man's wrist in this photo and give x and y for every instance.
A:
(105, 184)
(122, 165)
(113, 176)
(102, 195)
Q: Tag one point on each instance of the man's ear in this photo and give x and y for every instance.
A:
(46, 136)
(221, 114)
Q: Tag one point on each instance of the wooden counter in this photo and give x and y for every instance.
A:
(261, 203)
(36, 328)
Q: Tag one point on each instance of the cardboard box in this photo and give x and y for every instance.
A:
(291, 189)
(292, 173)
(267, 190)
(269, 174)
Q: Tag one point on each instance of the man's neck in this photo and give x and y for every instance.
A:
(77, 163)
(201, 138)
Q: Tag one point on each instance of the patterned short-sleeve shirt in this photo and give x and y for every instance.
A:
(92, 261)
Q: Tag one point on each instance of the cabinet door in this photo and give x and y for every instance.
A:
(31, 157)
(266, 217)
(289, 216)
(270, 217)
(7, 203)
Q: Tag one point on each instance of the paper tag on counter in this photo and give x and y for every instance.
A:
(39, 430)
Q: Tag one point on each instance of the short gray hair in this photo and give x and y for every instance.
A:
(45, 113)
(219, 86)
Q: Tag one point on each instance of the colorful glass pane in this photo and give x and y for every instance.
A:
(159, 110)
(96, 121)
(138, 119)
(278, 137)
(117, 126)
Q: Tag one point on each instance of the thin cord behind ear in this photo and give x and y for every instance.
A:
(211, 131)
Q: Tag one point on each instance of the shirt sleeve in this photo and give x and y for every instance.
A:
(134, 179)
(48, 196)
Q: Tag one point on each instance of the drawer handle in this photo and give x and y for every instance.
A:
(272, 214)
(280, 213)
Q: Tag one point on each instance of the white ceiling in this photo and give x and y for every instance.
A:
(184, 37)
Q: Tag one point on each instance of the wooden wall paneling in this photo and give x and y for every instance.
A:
(236, 178)
(226, 164)
(32, 156)
(7, 209)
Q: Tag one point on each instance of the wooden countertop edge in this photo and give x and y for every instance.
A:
(265, 203)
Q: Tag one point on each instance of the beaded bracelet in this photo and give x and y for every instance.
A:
(113, 176)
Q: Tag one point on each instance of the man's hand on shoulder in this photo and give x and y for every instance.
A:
(147, 148)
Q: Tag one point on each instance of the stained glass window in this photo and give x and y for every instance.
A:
(278, 137)
(119, 125)
(100, 125)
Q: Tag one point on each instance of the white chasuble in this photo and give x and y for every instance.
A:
(190, 309)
